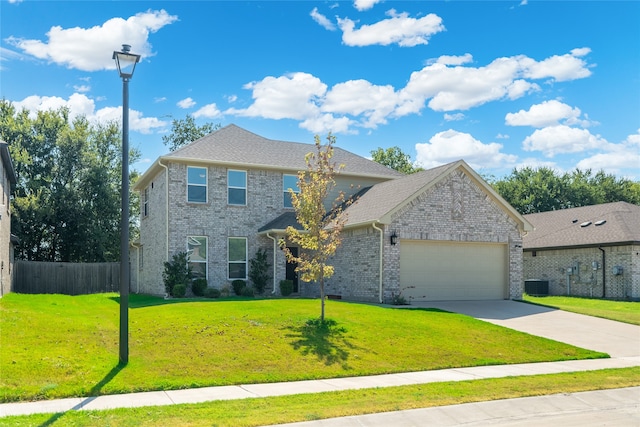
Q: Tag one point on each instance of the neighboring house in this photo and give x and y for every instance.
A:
(7, 184)
(591, 251)
(438, 234)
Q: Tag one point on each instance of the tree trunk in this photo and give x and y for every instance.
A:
(321, 296)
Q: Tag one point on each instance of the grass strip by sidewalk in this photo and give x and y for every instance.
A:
(286, 409)
(621, 311)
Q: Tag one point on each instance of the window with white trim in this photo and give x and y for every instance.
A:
(196, 184)
(145, 202)
(237, 187)
(289, 182)
(237, 256)
(197, 256)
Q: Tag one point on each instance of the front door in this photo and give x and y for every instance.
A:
(291, 270)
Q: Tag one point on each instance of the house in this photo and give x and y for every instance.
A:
(591, 251)
(438, 234)
(7, 240)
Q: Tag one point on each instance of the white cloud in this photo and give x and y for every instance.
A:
(451, 145)
(559, 139)
(548, 113)
(186, 103)
(90, 49)
(454, 60)
(80, 104)
(159, 99)
(558, 67)
(399, 29)
(232, 98)
(327, 123)
(502, 136)
(82, 88)
(322, 20)
(453, 117)
(210, 111)
(617, 158)
(365, 4)
(293, 96)
(359, 97)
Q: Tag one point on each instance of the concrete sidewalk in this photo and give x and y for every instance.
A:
(206, 394)
(618, 407)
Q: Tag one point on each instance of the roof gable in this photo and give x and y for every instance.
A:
(583, 226)
(383, 200)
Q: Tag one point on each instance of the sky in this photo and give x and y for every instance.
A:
(500, 84)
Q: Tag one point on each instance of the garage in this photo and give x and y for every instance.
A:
(443, 270)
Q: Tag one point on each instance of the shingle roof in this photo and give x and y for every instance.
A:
(282, 222)
(577, 227)
(382, 200)
(236, 146)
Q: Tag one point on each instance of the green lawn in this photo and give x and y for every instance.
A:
(622, 311)
(305, 407)
(55, 346)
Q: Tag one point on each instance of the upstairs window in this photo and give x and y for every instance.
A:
(289, 182)
(196, 184)
(237, 187)
(145, 202)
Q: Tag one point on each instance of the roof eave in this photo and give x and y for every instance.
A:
(582, 246)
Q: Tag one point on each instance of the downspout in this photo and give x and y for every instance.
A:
(166, 199)
(275, 246)
(604, 271)
(380, 299)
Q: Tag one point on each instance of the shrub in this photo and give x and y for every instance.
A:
(225, 291)
(238, 285)
(258, 272)
(179, 290)
(176, 272)
(398, 299)
(247, 291)
(198, 286)
(286, 287)
(212, 293)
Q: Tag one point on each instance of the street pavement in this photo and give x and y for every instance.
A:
(609, 407)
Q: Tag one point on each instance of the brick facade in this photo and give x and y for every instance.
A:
(455, 209)
(587, 280)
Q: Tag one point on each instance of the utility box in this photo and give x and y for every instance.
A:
(536, 287)
(617, 270)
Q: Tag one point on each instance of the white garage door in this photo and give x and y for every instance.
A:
(442, 271)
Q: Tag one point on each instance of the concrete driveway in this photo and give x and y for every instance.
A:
(614, 338)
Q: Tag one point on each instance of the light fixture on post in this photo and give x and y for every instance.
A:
(126, 63)
(394, 238)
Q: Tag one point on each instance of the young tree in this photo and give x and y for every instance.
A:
(184, 131)
(320, 236)
(394, 158)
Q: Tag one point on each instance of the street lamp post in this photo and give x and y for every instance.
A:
(126, 63)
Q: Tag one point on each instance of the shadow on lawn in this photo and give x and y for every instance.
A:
(326, 340)
(93, 393)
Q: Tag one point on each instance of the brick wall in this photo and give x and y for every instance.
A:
(455, 209)
(551, 265)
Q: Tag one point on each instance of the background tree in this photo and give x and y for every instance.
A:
(184, 131)
(66, 204)
(394, 158)
(531, 190)
(320, 236)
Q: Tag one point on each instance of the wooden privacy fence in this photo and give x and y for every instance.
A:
(35, 277)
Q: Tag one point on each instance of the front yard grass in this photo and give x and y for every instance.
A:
(54, 346)
(621, 311)
(305, 407)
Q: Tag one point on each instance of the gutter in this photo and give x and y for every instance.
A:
(380, 299)
(166, 199)
(604, 271)
(275, 243)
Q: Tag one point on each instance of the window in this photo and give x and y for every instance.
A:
(145, 202)
(289, 182)
(237, 187)
(197, 255)
(237, 258)
(196, 185)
